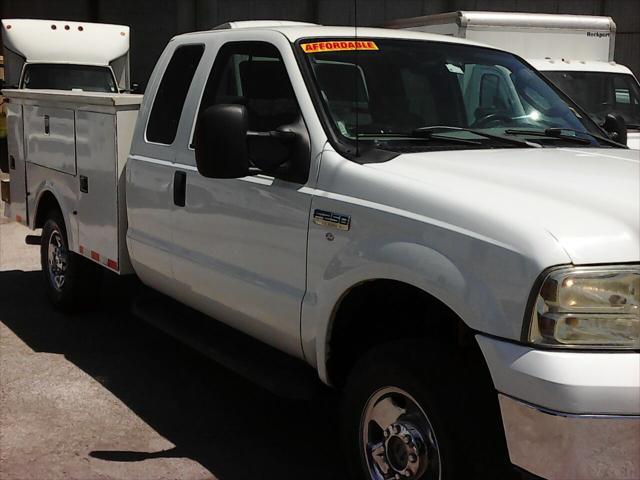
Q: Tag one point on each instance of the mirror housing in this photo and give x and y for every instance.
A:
(225, 148)
(220, 142)
(616, 127)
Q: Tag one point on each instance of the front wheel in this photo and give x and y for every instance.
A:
(410, 412)
(72, 281)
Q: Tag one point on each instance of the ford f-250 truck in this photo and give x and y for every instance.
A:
(427, 223)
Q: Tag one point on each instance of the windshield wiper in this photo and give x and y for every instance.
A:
(423, 138)
(557, 133)
(434, 130)
(633, 126)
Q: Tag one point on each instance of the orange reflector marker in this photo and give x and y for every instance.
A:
(18, 219)
(112, 264)
(95, 256)
(81, 250)
(338, 46)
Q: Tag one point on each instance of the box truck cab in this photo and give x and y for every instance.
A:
(63, 55)
(576, 52)
(468, 278)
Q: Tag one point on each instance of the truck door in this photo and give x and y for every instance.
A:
(17, 167)
(150, 168)
(241, 243)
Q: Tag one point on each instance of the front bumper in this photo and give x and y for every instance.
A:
(568, 415)
(553, 445)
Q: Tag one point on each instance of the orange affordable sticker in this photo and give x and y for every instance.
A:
(338, 46)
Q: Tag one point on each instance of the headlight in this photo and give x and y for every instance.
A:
(588, 307)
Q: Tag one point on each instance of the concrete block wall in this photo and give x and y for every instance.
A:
(154, 22)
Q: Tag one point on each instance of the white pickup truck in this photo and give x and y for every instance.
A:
(469, 278)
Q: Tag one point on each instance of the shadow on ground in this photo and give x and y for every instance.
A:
(231, 427)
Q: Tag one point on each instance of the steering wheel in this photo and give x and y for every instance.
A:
(491, 118)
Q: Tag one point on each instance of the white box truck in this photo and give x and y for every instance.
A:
(64, 55)
(576, 52)
(469, 280)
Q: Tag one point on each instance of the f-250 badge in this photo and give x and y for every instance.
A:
(331, 219)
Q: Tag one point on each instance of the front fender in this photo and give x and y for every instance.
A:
(399, 261)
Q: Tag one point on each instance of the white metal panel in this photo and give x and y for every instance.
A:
(541, 43)
(74, 99)
(52, 41)
(17, 209)
(50, 137)
(294, 33)
(125, 126)
(43, 181)
(569, 382)
(450, 29)
(98, 206)
(568, 65)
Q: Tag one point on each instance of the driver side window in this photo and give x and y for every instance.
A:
(252, 74)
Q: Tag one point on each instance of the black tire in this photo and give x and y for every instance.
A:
(79, 286)
(466, 428)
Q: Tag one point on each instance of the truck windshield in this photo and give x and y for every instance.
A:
(87, 78)
(600, 93)
(389, 91)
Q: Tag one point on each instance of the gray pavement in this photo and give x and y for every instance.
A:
(102, 395)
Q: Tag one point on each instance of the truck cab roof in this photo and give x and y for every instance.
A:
(295, 31)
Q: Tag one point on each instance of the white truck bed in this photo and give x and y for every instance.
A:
(74, 146)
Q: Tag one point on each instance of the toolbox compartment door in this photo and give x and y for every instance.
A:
(17, 189)
(50, 137)
(98, 187)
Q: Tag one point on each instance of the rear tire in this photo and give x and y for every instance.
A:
(412, 408)
(72, 282)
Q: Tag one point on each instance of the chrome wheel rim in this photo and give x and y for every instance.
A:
(58, 260)
(397, 438)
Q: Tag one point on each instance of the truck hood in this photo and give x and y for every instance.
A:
(587, 199)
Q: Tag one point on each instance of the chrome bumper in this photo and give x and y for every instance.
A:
(567, 446)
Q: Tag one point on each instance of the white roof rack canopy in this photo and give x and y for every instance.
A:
(61, 41)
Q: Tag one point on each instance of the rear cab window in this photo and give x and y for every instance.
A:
(164, 118)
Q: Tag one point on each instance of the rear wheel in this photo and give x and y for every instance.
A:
(72, 281)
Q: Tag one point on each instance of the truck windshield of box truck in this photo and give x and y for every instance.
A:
(88, 78)
(402, 87)
(600, 93)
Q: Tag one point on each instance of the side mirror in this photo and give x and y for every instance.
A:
(220, 142)
(615, 126)
(225, 148)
